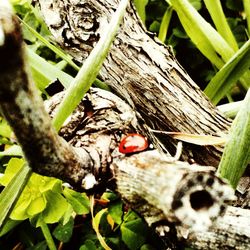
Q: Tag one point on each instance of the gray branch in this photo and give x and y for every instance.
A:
(45, 151)
(141, 70)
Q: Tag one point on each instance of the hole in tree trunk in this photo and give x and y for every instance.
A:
(201, 200)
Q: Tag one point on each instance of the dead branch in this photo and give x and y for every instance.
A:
(22, 107)
(229, 232)
(156, 186)
(95, 129)
(99, 137)
(140, 70)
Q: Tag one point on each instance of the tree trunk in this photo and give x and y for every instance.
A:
(141, 70)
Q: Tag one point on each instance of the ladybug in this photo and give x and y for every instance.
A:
(133, 143)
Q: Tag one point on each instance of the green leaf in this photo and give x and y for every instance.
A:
(79, 201)
(230, 109)
(141, 8)
(55, 209)
(36, 206)
(44, 183)
(88, 245)
(89, 70)
(154, 26)
(12, 191)
(196, 4)
(246, 4)
(20, 210)
(165, 24)
(64, 232)
(14, 165)
(133, 231)
(47, 235)
(203, 35)
(180, 33)
(215, 10)
(236, 154)
(39, 246)
(116, 212)
(31, 201)
(95, 223)
(8, 226)
(31, 21)
(229, 74)
(5, 129)
(67, 216)
(46, 71)
(57, 51)
(14, 150)
(235, 5)
(109, 196)
(147, 247)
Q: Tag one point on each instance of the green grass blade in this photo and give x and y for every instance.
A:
(11, 192)
(57, 51)
(47, 235)
(43, 73)
(39, 75)
(245, 80)
(203, 35)
(216, 12)
(165, 24)
(89, 70)
(246, 4)
(101, 85)
(229, 74)
(141, 8)
(48, 72)
(8, 226)
(236, 155)
(230, 109)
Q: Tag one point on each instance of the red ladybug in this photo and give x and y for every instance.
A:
(133, 143)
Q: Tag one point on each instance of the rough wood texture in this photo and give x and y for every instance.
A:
(166, 193)
(224, 234)
(46, 152)
(190, 194)
(142, 71)
(95, 129)
(229, 232)
(186, 194)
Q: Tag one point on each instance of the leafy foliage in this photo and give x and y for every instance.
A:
(132, 228)
(197, 65)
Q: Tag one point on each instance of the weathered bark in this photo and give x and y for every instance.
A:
(94, 129)
(183, 193)
(142, 71)
(23, 108)
(229, 232)
(158, 187)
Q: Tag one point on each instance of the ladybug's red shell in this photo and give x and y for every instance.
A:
(133, 143)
